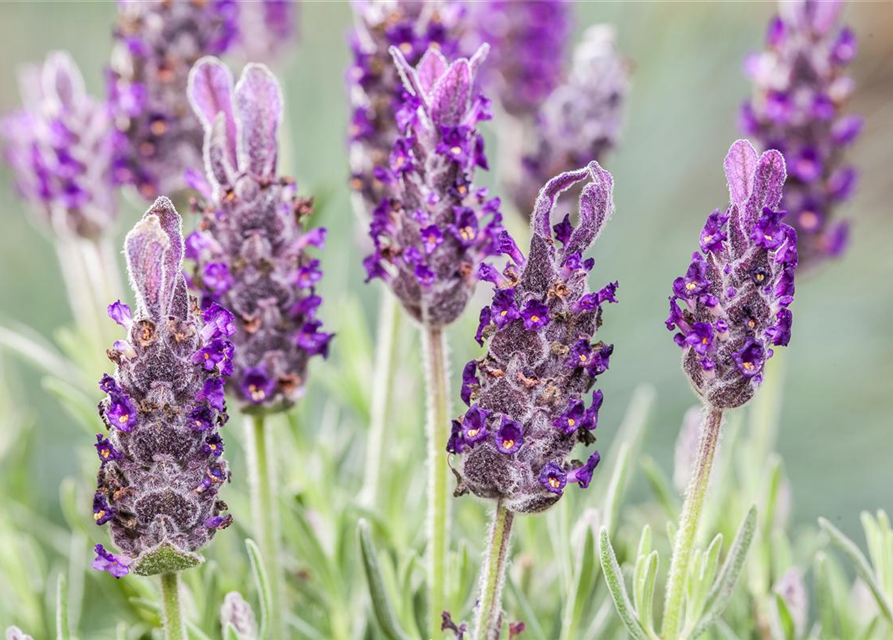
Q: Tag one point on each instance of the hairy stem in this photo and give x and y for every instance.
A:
(438, 472)
(688, 524)
(172, 612)
(388, 330)
(489, 617)
(265, 510)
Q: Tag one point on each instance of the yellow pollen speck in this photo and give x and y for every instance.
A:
(124, 418)
(571, 422)
(582, 357)
(105, 453)
(553, 482)
(502, 313)
(455, 150)
(749, 366)
(405, 47)
(212, 447)
(690, 286)
(99, 515)
(256, 394)
(704, 341)
(207, 356)
(707, 239)
(768, 237)
(751, 324)
(534, 318)
(400, 161)
(508, 444)
(472, 433)
(760, 277)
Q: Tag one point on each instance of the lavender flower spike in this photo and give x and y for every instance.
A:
(378, 98)
(157, 42)
(798, 107)
(250, 249)
(580, 121)
(59, 147)
(160, 466)
(432, 235)
(528, 44)
(528, 408)
(731, 307)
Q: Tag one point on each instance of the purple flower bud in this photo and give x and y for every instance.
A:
(254, 252)
(120, 313)
(59, 148)
(157, 44)
(237, 612)
(732, 304)
(163, 408)
(118, 566)
(579, 121)
(798, 106)
(528, 390)
(382, 108)
(432, 208)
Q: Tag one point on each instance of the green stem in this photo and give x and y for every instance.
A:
(688, 524)
(265, 511)
(438, 473)
(765, 410)
(489, 618)
(172, 613)
(382, 379)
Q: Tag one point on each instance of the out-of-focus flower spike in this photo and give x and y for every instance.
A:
(259, 111)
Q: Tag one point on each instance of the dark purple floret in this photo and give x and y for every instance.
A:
(801, 90)
(529, 390)
(162, 410)
(382, 108)
(59, 147)
(251, 250)
(730, 307)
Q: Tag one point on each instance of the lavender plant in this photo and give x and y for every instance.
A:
(801, 91)
(250, 254)
(729, 311)
(579, 121)
(526, 396)
(60, 147)
(267, 29)
(160, 461)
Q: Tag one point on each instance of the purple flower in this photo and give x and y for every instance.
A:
(553, 478)
(581, 118)
(535, 315)
(105, 449)
(163, 408)
(713, 235)
(118, 566)
(510, 436)
(801, 91)
(722, 336)
(120, 313)
(583, 475)
(254, 221)
(219, 522)
(431, 208)
(529, 387)
(59, 148)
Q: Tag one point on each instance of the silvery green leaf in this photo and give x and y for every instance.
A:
(262, 582)
(783, 627)
(660, 486)
(643, 594)
(617, 588)
(724, 587)
(824, 595)
(63, 632)
(381, 603)
(857, 558)
(528, 613)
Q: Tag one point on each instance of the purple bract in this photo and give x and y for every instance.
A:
(527, 395)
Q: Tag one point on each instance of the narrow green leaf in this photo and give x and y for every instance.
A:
(262, 582)
(646, 606)
(825, 604)
(722, 590)
(786, 630)
(80, 407)
(616, 489)
(381, 604)
(854, 555)
(62, 630)
(617, 588)
(660, 486)
(534, 628)
(230, 632)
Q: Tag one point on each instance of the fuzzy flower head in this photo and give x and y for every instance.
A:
(378, 99)
(59, 147)
(730, 309)
(801, 91)
(251, 250)
(267, 29)
(436, 228)
(580, 121)
(527, 40)
(156, 44)
(160, 467)
(529, 396)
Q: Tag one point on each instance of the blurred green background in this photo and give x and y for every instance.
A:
(837, 422)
